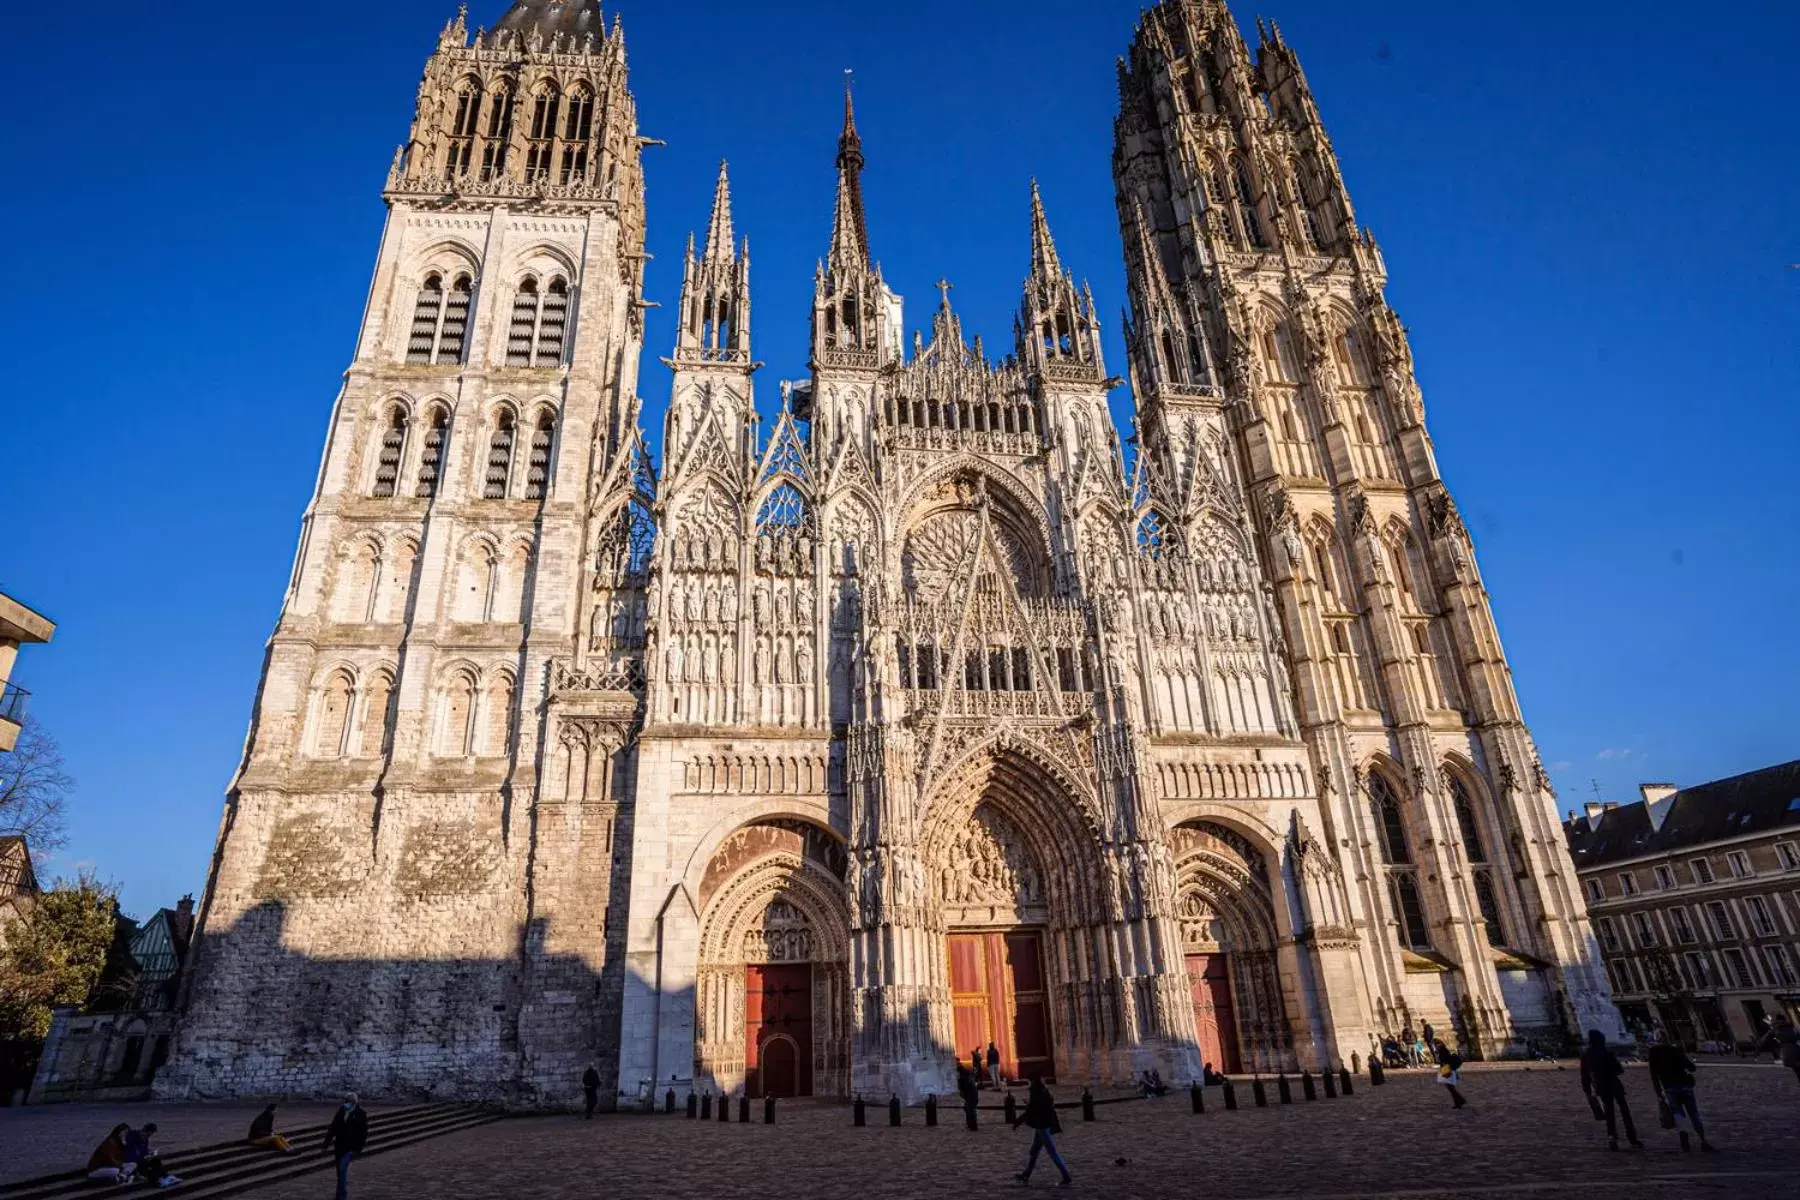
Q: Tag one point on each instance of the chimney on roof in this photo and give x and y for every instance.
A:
(1595, 810)
(1659, 798)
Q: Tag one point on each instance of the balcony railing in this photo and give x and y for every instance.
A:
(13, 702)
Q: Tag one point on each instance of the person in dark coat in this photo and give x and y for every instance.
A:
(1449, 1073)
(590, 1088)
(1783, 1039)
(107, 1163)
(1603, 1079)
(993, 1064)
(1672, 1075)
(1429, 1037)
(348, 1135)
(1040, 1117)
(970, 1093)
(975, 1064)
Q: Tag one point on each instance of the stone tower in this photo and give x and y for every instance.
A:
(413, 878)
(1259, 323)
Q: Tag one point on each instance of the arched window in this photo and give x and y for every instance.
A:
(1246, 198)
(1390, 828)
(577, 129)
(543, 135)
(537, 464)
(355, 591)
(499, 733)
(553, 324)
(1467, 825)
(1409, 910)
(500, 458)
(376, 702)
(431, 454)
(458, 716)
(333, 727)
(393, 451)
(464, 119)
(1488, 901)
(522, 336)
(499, 134)
(428, 311)
(440, 323)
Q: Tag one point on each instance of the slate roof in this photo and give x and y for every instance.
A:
(1758, 802)
(577, 18)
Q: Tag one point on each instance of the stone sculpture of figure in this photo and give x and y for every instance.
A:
(675, 662)
(804, 657)
(760, 604)
(762, 661)
(728, 608)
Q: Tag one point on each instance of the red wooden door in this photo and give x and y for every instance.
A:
(1215, 1024)
(998, 994)
(778, 1030)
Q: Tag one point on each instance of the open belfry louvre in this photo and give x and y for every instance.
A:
(841, 743)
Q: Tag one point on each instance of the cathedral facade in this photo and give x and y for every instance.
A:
(915, 717)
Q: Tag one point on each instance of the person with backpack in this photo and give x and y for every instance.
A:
(1672, 1075)
(1603, 1080)
(1040, 1117)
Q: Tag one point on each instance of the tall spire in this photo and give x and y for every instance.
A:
(850, 231)
(1044, 262)
(720, 240)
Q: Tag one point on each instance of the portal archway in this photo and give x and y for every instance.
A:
(772, 1001)
(1226, 906)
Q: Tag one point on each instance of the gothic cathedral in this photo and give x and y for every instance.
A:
(917, 717)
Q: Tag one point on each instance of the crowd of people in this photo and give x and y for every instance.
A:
(126, 1156)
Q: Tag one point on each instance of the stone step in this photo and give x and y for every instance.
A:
(209, 1161)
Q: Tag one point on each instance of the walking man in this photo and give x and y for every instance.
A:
(1603, 1079)
(993, 1064)
(1784, 1040)
(348, 1134)
(590, 1088)
(1040, 1117)
(970, 1093)
(1672, 1075)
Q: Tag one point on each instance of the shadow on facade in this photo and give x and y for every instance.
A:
(264, 1021)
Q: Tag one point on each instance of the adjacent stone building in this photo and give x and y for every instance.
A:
(913, 717)
(1695, 895)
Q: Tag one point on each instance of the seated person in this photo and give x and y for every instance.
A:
(107, 1163)
(143, 1161)
(263, 1135)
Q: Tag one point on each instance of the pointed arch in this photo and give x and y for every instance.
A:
(376, 721)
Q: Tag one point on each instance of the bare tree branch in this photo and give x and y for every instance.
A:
(32, 790)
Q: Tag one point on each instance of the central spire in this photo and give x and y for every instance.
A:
(850, 231)
(719, 237)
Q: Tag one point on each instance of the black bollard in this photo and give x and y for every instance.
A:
(894, 1110)
(744, 1109)
(768, 1110)
(1377, 1076)
(859, 1113)
(1197, 1095)
(706, 1107)
(1330, 1082)
(1230, 1096)
(1087, 1105)
(1259, 1093)
(931, 1111)
(1347, 1082)
(1012, 1110)
(724, 1109)
(669, 1101)
(693, 1105)
(1308, 1088)
(1284, 1089)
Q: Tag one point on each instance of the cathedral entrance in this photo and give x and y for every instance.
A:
(772, 999)
(1215, 1019)
(1225, 903)
(778, 1023)
(998, 992)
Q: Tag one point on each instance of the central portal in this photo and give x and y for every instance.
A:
(998, 992)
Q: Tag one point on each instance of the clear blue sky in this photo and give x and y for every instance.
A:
(1587, 210)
